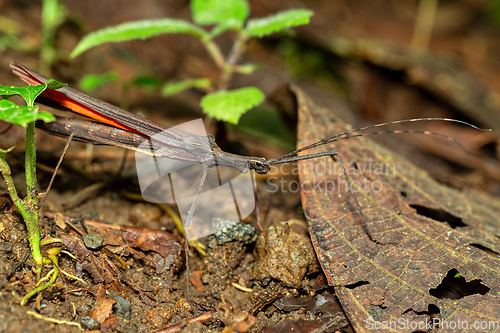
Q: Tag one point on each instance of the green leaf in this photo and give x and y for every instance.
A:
(91, 82)
(172, 88)
(275, 23)
(53, 14)
(146, 81)
(230, 105)
(54, 84)
(30, 93)
(136, 30)
(207, 12)
(247, 68)
(22, 115)
(3, 152)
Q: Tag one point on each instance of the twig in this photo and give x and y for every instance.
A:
(52, 320)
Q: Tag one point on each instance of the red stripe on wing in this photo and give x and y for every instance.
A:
(84, 110)
(31, 78)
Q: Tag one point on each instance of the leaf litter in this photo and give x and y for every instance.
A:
(476, 200)
(393, 281)
(361, 288)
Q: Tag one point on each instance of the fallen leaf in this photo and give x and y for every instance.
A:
(102, 308)
(110, 324)
(169, 251)
(326, 307)
(240, 323)
(195, 278)
(96, 264)
(429, 230)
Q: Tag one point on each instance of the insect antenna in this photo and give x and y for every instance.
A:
(350, 134)
(293, 157)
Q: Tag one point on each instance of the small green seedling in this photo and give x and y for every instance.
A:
(26, 116)
(53, 15)
(222, 15)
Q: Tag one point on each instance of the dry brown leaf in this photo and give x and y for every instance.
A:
(169, 252)
(332, 318)
(102, 308)
(96, 264)
(435, 230)
(240, 323)
(195, 278)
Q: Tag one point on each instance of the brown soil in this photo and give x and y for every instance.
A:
(132, 285)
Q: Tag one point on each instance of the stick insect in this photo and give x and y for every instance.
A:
(124, 129)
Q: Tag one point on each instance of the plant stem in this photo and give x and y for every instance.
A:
(50, 241)
(232, 59)
(238, 48)
(214, 52)
(30, 161)
(36, 290)
(31, 207)
(30, 218)
(7, 176)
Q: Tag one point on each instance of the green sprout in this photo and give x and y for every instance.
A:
(53, 15)
(26, 116)
(221, 15)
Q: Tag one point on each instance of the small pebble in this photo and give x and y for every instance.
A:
(90, 323)
(229, 231)
(122, 307)
(92, 241)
